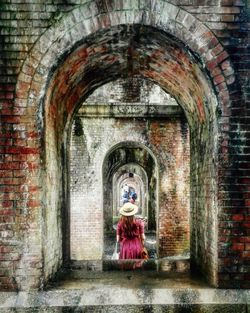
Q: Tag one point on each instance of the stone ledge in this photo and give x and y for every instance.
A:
(130, 110)
(117, 299)
(171, 308)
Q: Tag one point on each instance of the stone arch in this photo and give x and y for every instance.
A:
(88, 19)
(117, 159)
(120, 177)
(39, 78)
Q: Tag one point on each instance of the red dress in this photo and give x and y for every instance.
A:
(130, 248)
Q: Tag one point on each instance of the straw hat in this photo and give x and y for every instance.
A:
(128, 209)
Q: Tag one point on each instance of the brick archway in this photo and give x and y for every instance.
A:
(87, 19)
(59, 72)
(121, 177)
(121, 157)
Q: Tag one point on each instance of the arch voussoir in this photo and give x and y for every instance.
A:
(87, 19)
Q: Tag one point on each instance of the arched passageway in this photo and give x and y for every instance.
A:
(126, 161)
(161, 48)
(135, 177)
(119, 159)
(152, 54)
(132, 156)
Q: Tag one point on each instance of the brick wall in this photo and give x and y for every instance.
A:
(131, 90)
(35, 37)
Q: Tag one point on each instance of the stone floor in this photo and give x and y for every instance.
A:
(88, 287)
(130, 292)
(78, 279)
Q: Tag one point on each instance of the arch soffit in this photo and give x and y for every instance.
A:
(87, 19)
(128, 144)
(120, 176)
(140, 171)
(136, 180)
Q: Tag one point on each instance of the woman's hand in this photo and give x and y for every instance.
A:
(142, 239)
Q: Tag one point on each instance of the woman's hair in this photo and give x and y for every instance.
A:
(128, 225)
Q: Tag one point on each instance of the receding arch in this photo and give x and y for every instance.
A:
(119, 179)
(118, 159)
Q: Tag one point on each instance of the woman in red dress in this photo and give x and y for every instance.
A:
(130, 233)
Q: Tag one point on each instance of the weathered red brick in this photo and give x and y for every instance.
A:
(238, 217)
(6, 204)
(246, 224)
(18, 150)
(22, 90)
(212, 64)
(7, 212)
(34, 204)
(238, 246)
(219, 79)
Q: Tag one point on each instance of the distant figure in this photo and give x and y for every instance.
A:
(133, 197)
(125, 195)
(130, 233)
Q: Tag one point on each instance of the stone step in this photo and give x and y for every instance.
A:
(117, 299)
(170, 265)
(125, 291)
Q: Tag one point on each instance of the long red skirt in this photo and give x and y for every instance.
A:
(130, 249)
